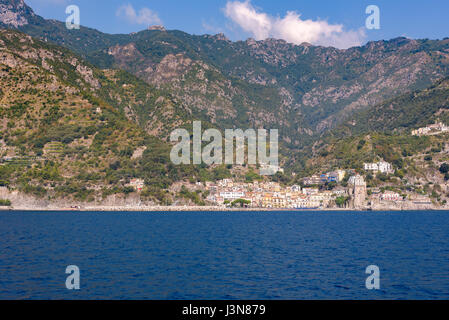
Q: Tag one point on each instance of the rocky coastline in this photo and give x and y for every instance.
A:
(25, 202)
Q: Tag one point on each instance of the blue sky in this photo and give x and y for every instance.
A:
(327, 22)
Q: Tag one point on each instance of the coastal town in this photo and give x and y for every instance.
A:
(337, 189)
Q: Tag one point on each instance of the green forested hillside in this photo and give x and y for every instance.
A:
(403, 113)
(66, 127)
(383, 132)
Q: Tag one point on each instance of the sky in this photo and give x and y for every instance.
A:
(338, 23)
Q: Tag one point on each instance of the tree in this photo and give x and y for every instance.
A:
(444, 168)
(382, 177)
(128, 190)
(361, 144)
(331, 185)
(341, 201)
(4, 183)
(399, 173)
(241, 202)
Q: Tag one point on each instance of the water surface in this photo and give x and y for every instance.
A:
(224, 255)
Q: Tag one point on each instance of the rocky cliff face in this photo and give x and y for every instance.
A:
(15, 13)
(303, 90)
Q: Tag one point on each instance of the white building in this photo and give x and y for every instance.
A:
(225, 183)
(341, 174)
(381, 166)
(232, 195)
(371, 167)
(309, 191)
(306, 203)
(339, 192)
(356, 180)
(264, 168)
(385, 167)
(390, 196)
(420, 131)
(317, 197)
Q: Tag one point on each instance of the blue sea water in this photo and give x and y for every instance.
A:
(224, 255)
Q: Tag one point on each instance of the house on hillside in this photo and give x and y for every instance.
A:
(381, 166)
(432, 129)
(137, 184)
(390, 196)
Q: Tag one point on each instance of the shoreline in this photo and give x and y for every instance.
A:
(203, 209)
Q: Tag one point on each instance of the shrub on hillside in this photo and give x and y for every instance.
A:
(5, 203)
(444, 168)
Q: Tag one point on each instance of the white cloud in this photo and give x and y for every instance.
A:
(291, 28)
(144, 16)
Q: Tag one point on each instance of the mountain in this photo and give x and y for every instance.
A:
(69, 130)
(84, 113)
(385, 132)
(16, 13)
(303, 90)
(403, 113)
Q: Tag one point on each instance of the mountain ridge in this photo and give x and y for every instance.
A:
(303, 90)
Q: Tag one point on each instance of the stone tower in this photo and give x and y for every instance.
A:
(358, 191)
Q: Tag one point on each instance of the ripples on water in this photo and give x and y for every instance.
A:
(236, 255)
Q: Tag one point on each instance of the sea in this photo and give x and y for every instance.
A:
(224, 255)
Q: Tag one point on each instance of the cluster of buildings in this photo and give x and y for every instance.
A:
(338, 175)
(271, 194)
(308, 196)
(432, 129)
(334, 176)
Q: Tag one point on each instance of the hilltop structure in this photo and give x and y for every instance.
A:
(157, 27)
(432, 129)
